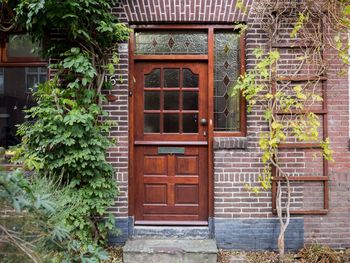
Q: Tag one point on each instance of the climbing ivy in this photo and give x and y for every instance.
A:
(260, 89)
(66, 133)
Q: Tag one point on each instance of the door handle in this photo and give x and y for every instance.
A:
(204, 122)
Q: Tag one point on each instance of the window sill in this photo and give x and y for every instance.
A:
(228, 143)
(9, 167)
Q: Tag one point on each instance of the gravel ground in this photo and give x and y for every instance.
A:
(229, 256)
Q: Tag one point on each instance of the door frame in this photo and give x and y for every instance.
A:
(209, 58)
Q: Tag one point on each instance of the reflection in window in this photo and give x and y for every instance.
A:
(171, 78)
(171, 100)
(15, 84)
(226, 107)
(190, 79)
(21, 46)
(152, 100)
(151, 123)
(190, 123)
(34, 76)
(171, 108)
(153, 79)
(2, 88)
(171, 123)
(190, 100)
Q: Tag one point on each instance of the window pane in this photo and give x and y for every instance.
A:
(153, 79)
(171, 78)
(2, 88)
(190, 79)
(190, 100)
(171, 123)
(20, 45)
(31, 82)
(152, 100)
(171, 42)
(226, 73)
(14, 98)
(171, 100)
(151, 123)
(190, 123)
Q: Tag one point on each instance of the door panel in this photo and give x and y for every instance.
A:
(170, 143)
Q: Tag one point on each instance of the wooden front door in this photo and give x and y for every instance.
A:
(170, 147)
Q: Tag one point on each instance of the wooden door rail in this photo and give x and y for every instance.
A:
(300, 78)
(305, 111)
(306, 212)
(171, 57)
(293, 44)
(298, 145)
(171, 143)
(301, 178)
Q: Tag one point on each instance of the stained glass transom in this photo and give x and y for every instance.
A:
(171, 42)
(226, 107)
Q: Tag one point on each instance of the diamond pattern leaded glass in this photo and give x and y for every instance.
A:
(226, 107)
(171, 42)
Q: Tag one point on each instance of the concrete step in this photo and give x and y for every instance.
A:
(183, 232)
(145, 250)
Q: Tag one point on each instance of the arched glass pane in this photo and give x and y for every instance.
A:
(152, 80)
(190, 80)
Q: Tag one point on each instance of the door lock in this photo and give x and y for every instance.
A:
(203, 122)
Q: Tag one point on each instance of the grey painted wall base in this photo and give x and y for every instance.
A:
(237, 234)
(257, 234)
(125, 227)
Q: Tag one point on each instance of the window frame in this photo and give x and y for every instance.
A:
(6, 61)
(209, 57)
(25, 62)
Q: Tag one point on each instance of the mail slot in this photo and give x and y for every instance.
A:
(171, 150)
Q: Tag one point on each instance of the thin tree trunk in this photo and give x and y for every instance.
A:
(284, 218)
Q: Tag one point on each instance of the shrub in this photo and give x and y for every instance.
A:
(316, 253)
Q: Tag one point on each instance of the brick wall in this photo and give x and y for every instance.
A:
(237, 161)
(334, 228)
(197, 11)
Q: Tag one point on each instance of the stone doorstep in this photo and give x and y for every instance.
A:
(181, 232)
(144, 250)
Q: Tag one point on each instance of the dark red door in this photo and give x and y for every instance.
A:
(171, 159)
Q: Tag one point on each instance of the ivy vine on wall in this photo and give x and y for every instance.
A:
(314, 26)
(66, 133)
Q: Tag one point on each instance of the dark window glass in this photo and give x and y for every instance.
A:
(171, 123)
(171, 42)
(153, 79)
(152, 100)
(151, 123)
(190, 80)
(190, 123)
(171, 100)
(34, 76)
(16, 84)
(171, 78)
(190, 100)
(21, 46)
(226, 73)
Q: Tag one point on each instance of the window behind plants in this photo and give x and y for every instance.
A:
(21, 69)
